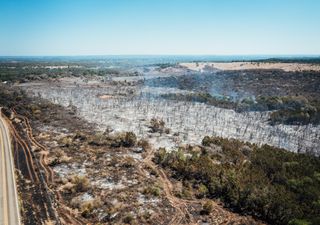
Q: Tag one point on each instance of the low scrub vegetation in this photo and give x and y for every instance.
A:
(124, 139)
(154, 191)
(86, 207)
(272, 184)
(81, 183)
(158, 125)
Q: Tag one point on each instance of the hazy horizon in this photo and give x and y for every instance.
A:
(170, 55)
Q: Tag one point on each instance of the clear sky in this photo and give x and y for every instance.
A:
(107, 27)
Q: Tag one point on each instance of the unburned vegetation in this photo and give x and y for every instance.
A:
(275, 185)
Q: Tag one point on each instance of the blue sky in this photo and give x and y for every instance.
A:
(107, 27)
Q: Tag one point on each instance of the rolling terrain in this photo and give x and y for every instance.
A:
(163, 141)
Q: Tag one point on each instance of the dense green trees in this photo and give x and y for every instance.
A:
(277, 186)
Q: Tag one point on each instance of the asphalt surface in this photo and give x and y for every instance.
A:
(9, 207)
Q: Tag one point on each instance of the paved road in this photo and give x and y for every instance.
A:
(9, 208)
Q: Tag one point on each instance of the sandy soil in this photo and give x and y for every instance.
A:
(105, 96)
(289, 67)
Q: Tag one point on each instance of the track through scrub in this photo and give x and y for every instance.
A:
(61, 214)
(187, 211)
(182, 214)
(37, 201)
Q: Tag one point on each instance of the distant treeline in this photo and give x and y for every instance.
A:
(23, 72)
(308, 60)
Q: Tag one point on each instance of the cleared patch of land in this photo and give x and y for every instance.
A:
(289, 67)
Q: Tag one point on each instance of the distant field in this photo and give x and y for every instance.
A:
(266, 65)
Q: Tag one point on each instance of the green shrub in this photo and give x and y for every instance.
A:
(299, 222)
(129, 140)
(126, 139)
(270, 183)
(207, 208)
(202, 191)
(152, 191)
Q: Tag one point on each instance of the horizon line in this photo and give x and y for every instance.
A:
(197, 55)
